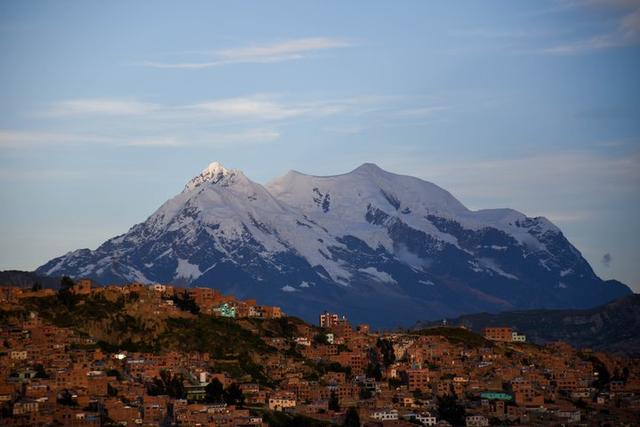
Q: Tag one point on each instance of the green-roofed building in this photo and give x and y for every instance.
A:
(226, 310)
(496, 395)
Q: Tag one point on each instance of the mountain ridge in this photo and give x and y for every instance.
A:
(373, 244)
(613, 327)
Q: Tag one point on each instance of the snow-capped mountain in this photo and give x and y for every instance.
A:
(384, 248)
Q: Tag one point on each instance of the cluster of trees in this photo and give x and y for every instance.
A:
(351, 417)
(173, 385)
(451, 411)
(386, 349)
(167, 384)
(185, 303)
(320, 338)
(65, 295)
(216, 393)
(66, 398)
(334, 403)
(374, 367)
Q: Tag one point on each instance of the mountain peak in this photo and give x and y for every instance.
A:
(215, 168)
(214, 172)
(369, 167)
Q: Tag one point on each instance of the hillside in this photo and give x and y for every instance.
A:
(613, 327)
(134, 346)
(131, 323)
(27, 279)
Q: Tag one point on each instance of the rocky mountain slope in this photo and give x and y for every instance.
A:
(612, 327)
(383, 248)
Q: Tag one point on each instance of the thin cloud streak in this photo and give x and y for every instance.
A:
(21, 139)
(257, 106)
(101, 106)
(269, 108)
(618, 20)
(288, 50)
(625, 33)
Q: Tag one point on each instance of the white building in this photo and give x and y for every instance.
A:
(303, 341)
(424, 418)
(385, 415)
(282, 400)
(158, 287)
(516, 337)
(477, 421)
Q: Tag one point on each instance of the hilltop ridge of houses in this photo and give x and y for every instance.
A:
(209, 301)
(55, 375)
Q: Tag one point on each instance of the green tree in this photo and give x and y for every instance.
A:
(175, 387)
(65, 398)
(386, 348)
(214, 391)
(171, 385)
(449, 410)
(603, 373)
(115, 373)
(320, 338)
(185, 303)
(334, 404)
(395, 382)
(65, 295)
(37, 286)
(351, 419)
(40, 372)
(233, 395)
(374, 371)
(365, 393)
(111, 391)
(66, 282)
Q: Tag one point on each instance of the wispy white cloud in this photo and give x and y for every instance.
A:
(19, 139)
(595, 43)
(251, 107)
(287, 50)
(625, 32)
(290, 49)
(256, 107)
(239, 138)
(101, 106)
(264, 107)
(245, 119)
(607, 24)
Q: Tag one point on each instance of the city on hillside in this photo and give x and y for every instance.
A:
(159, 355)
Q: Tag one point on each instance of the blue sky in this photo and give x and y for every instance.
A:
(107, 109)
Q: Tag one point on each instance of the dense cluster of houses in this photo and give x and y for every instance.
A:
(209, 301)
(503, 334)
(53, 375)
